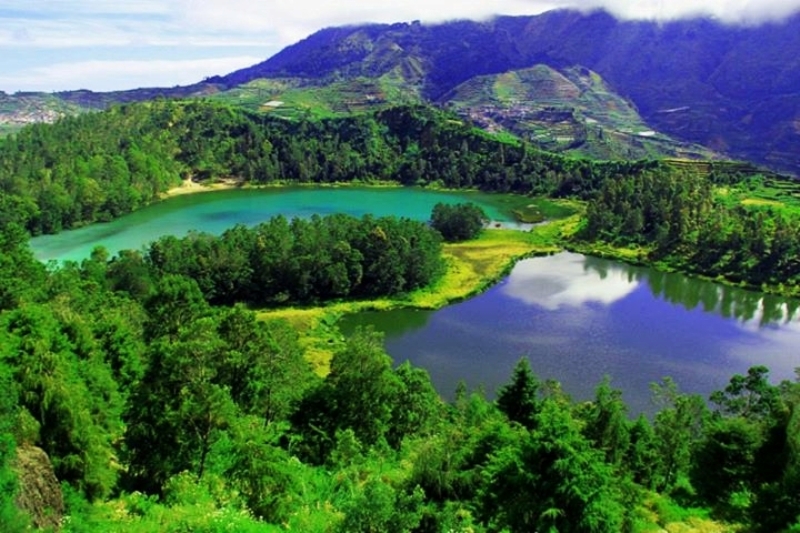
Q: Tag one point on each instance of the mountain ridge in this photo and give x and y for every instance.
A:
(732, 89)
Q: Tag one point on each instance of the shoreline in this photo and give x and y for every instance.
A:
(189, 186)
(472, 268)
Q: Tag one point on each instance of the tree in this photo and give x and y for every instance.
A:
(379, 508)
(179, 408)
(641, 461)
(678, 427)
(20, 272)
(260, 469)
(417, 407)
(607, 423)
(551, 480)
(70, 394)
(751, 397)
(175, 303)
(459, 222)
(724, 462)
(10, 516)
(264, 368)
(363, 386)
(518, 399)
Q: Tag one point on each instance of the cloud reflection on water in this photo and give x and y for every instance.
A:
(565, 279)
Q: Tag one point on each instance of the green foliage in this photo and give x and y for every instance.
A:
(20, 273)
(359, 394)
(518, 399)
(99, 166)
(641, 461)
(724, 462)
(551, 480)
(264, 367)
(379, 508)
(303, 261)
(459, 222)
(189, 506)
(607, 423)
(678, 427)
(417, 409)
(750, 397)
(10, 517)
(202, 377)
(676, 216)
(260, 470)
(69, 392)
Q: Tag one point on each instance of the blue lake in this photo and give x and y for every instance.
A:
(579, 318)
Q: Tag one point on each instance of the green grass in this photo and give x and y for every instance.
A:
(759, 192)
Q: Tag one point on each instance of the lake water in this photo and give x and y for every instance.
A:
(575, 318)
(214, 212)
(578, 318)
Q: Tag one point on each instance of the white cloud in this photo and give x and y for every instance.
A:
(296, 20)
(730, 11)
(121, 75)
(50, 8)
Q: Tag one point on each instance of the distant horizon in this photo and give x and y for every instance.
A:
(65, 45)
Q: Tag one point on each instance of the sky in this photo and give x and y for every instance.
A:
(104, 45)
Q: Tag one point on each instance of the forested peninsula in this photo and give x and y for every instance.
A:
(164, 404)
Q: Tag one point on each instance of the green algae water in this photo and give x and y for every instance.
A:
(214, 212)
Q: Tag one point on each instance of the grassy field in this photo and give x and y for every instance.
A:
(472, 267)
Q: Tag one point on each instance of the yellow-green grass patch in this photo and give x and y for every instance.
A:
(762, 202)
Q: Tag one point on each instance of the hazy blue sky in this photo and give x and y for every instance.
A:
(51, 45)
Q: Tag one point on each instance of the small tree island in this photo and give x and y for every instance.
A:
(458, 222)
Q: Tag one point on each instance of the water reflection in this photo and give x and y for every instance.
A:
(730, 302)
(578, 318)
(392, 324)
(568, 279)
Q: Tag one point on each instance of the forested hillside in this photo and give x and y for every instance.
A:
(729, 88)
(98, 166)
(698, 225)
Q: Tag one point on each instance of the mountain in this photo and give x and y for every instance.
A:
(733, 89)
(22, 108)
(584, 83)
(570, 110)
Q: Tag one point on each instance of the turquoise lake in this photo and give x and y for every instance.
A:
(214, 212)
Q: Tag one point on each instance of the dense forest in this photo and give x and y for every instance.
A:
(163, 404)
(161, 412)
(682, 217)
(297, 261)
(95, 167)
